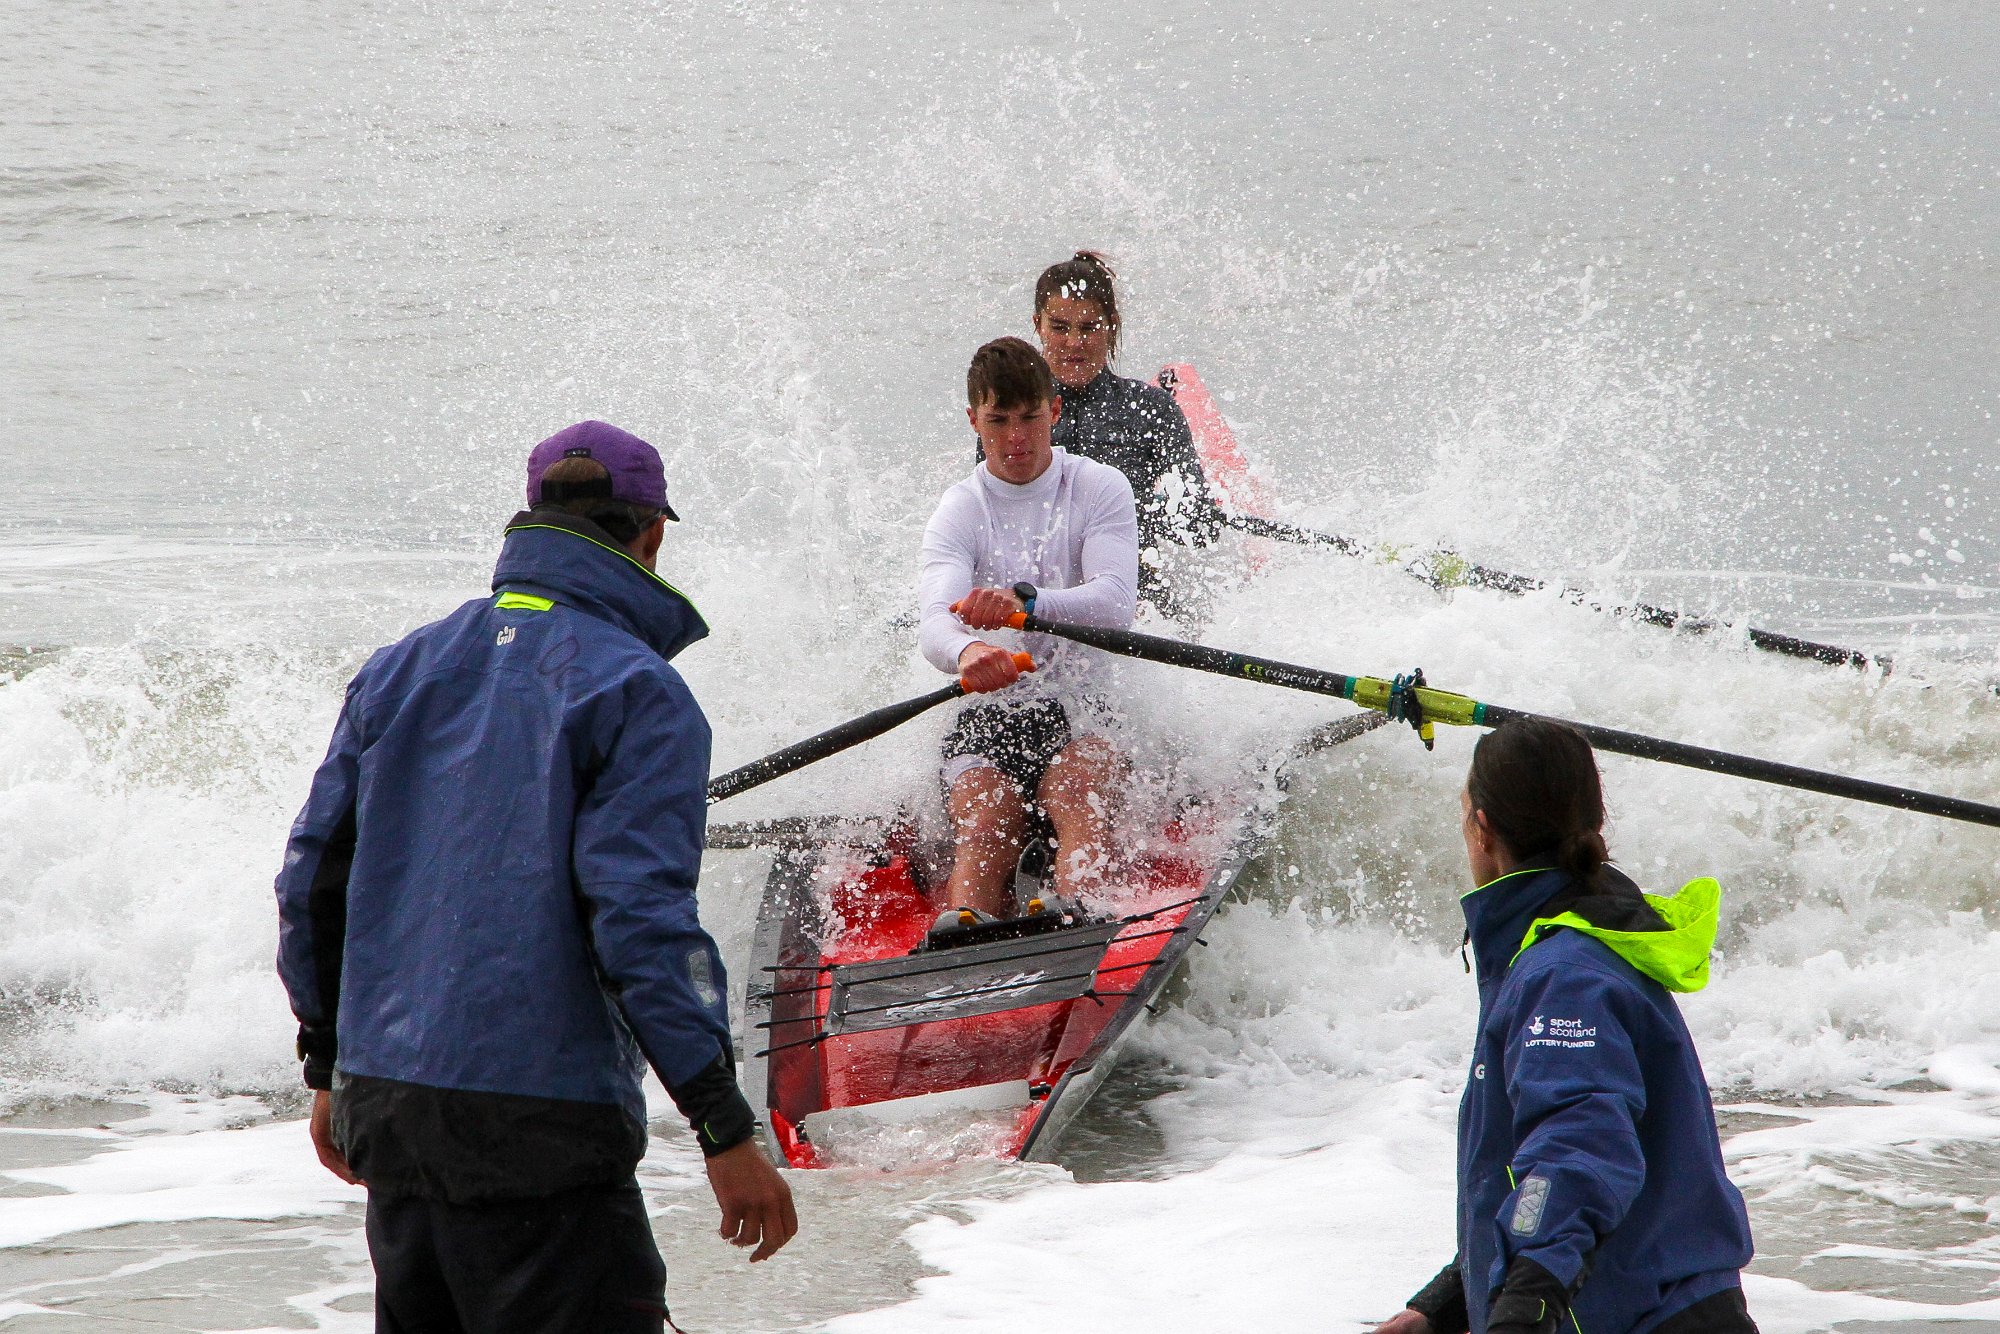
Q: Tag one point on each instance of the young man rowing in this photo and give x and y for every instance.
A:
(1034, 528)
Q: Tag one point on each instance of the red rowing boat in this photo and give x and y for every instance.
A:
(863, 1010)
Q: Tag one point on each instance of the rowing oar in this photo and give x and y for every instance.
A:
(1442, 569)
(1408, 699)
(790, 831)
(836, 739)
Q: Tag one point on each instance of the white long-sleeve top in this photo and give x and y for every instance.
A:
(1072, 532)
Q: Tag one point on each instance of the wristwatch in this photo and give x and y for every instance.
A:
(1026, 592)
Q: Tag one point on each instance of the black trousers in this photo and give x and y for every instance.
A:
(1722, 1313)
(583, 1262)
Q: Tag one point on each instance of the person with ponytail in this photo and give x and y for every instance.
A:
(1134, 426)
(1591, 1190)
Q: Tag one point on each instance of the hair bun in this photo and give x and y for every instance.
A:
(1095, 258)
(1582, 853)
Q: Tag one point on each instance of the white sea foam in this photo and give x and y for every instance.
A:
(1785, 1307)
(1258, 1241)
(299, 295)
(1328, 1237)
(260, 1172)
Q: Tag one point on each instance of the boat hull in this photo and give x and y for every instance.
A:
(842, 1016)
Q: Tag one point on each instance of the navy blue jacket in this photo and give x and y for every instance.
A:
(1586, 1138)
(488, 902)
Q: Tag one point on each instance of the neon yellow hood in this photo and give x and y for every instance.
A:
(1676, 958)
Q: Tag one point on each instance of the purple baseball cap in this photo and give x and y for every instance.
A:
(637, 477)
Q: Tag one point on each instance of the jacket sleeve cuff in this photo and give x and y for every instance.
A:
(1530, 1301)
(1442, 1302)
(317, 1049)
(715, 1108)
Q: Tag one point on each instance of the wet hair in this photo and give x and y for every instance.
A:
(1537, 783)
(1009, 373)
(1084, 276)
(621, 520)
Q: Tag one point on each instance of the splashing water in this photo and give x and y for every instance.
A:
(1684, 308)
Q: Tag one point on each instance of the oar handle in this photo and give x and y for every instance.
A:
(1370, 692)
(1022, 662)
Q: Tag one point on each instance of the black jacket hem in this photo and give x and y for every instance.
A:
(464, 1147)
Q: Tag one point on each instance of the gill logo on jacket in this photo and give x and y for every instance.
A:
(1529, 1206)
(505, 637)
(701, 975)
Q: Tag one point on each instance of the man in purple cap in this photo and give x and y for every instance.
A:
(627, 469)
(488, 928)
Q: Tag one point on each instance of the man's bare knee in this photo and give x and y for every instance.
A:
(1089, 767)
(983, 797)
(1094, 748)
(1086, 757)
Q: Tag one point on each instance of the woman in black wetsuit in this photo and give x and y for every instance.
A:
(1134, 426)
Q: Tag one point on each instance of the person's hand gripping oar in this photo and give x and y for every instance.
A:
(985, 666)
(988, 675)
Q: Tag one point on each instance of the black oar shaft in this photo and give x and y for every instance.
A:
(1831, 654)
(1285, 532)
(1444, 707)
(1766, 771)
(1483, 576)
(830, 742)
(1178, 653)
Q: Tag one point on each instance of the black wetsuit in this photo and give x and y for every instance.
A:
(1138, 429)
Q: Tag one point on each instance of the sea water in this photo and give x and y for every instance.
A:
(1685, 304)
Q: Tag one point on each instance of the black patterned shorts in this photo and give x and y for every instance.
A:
(1020, 740)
